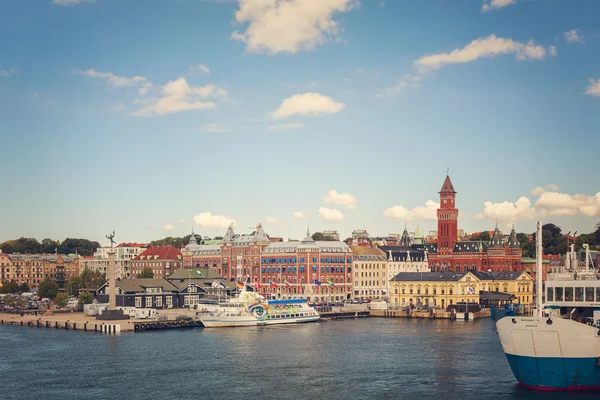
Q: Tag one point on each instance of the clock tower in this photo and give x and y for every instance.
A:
(447, 216)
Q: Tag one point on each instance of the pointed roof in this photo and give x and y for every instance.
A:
(447, 186)
(496, 242)
(229, 235)
(513, 242)
(308, 238)
(260, 235)
(405, 239)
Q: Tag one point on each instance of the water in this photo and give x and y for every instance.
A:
(347, 359)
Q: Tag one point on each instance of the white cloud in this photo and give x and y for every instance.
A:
(9, 72)
(169, 228)
(558, 212)
(487, 47)
(143, 84)
(508, 211)
(199, 68)
(70, 2)
(307, 104)
(281, 127)
(179, 96)
(213, 128)
(574, 36)
(345, 199)
(554, 203)
(495, 4)
(299, 215)
(429, 211)
(277, 26)
(271, 220)
(331, 214)
(542, 189)
(594, 88)
(207, 220)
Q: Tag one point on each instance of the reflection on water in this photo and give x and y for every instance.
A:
(350, 359)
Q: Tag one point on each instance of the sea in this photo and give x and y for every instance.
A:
(370, 358)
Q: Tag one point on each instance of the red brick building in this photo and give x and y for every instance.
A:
(162, 260)
(451, 254)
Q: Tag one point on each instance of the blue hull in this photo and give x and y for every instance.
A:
(546, 373)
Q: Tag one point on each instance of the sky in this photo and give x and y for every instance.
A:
(153, 117)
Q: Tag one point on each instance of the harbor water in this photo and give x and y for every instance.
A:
(369, 358)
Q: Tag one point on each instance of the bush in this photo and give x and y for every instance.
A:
(85, 298)
(61, 300)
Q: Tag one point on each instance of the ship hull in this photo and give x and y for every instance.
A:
(232, 322)
(562, 355)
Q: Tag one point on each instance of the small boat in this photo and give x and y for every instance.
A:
(252, 309)
(548, 353)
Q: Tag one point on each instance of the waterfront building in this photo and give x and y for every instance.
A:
(450, 254)
(315, 270)
(5, 267)
(443, 289)
(370, 279)
(34, 268)
(162, 260)
(180, 289)
(124, 253)
(359, 233)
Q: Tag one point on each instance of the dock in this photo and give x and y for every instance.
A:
(344, 314)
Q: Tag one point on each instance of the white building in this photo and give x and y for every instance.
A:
(404, 259)
(369, 273)
(124, 253)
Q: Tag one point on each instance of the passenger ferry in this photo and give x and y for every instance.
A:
(252, 309)
(548, 353)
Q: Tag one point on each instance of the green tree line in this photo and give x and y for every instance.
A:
(25, 245)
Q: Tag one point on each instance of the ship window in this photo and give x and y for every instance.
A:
(550, 295)
(598, 294)
(559, 294)
(589, 294)
(578, 294)
(568, 294)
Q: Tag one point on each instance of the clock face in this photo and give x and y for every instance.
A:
(445, 201)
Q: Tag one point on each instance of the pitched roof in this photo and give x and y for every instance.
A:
(498, 275)
(402, 253)
(361, 253)
(428, 276)
(513, 242)
(470, 246)
(138, 285)
(447, 186)
(496, 242)
(163, 252)
(124, 244)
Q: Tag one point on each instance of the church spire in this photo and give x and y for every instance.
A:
(447, 186)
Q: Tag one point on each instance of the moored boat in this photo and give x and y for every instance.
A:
(550, 354)
(252, 309)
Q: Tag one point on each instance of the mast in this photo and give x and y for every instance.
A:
(538, 269)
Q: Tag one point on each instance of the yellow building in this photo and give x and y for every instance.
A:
(442, 289)
(369, 273)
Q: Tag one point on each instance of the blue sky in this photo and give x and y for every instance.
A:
(143, 116)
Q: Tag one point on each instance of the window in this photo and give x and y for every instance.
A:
(578, 294)
(159, 301)
(138, 302)
(550, 294)
(568, 294)
(148, 301)
(193, 289)
(559, 293)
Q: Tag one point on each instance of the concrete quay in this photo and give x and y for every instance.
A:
(484, 313)
(76, 321)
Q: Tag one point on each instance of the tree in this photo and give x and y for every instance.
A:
(85, 298)
(82, 247)
(347, 240)
(24, 287)
(176, 242)
(61, 299)
(10, 287)
(146, 273)
(92, 279)
(482, 236)
(597, 233)
(221, 237)
(48, 289)
(73, 285)
(49, 245)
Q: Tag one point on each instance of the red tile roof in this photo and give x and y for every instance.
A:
(163, 252)
(133, 244)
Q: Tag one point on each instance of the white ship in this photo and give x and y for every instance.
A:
(548, 353)
(252, 309)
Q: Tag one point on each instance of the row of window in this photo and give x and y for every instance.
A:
(572, 294)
